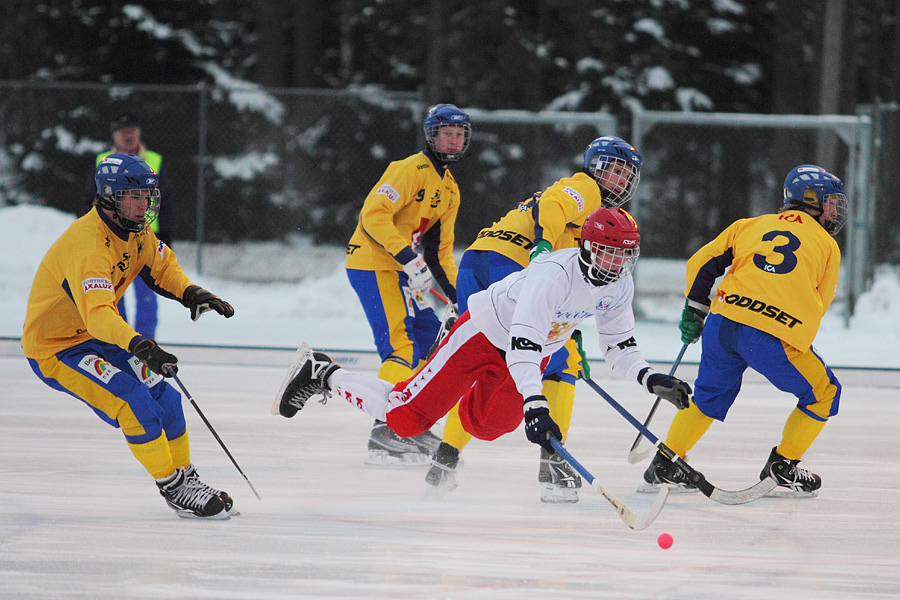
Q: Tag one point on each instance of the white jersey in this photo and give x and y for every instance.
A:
(531, 313)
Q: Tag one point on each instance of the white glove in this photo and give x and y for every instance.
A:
(419, 274)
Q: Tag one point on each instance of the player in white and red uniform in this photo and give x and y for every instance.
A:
(493, 358)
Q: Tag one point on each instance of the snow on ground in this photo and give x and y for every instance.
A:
(320, 307)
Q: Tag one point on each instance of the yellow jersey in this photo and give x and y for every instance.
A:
(555, 215)
(782, 277)
(412, 204)
(82, 277)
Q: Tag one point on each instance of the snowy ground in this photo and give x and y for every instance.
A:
(80, 519)
(311, 299)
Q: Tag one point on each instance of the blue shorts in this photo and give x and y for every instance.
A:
(730, 347)
(117, 387)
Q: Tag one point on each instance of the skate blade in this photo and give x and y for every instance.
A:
(652, 488)
(220, 516)
(552, 494)
(385, 460)
(780, 492)
(433, 493)
(304, 353)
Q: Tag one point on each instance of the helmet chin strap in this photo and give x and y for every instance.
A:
(586, 270)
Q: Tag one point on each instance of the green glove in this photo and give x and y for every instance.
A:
(540, 247)
(584, 371)
(692, 318)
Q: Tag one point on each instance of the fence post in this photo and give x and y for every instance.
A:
(201, 174)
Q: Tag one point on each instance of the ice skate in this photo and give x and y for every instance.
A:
(190, 472)
(559, 481)
(389, 450)
(441, 477)
(190, 498)
(307, 376)
(427, 442)
(793, 480)
(663, 471)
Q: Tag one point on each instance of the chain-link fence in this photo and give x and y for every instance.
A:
(255, 164)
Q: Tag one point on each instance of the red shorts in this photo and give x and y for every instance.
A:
(468, 369)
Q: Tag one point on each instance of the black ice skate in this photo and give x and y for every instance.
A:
(799, 482)
(307, 376)
(663, 471)
(190, 498)
(389, 450)
(190, 472)
(441, 477)
(559, 481)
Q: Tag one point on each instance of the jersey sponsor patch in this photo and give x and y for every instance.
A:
(386, 190)
(97, 283)
(97, 367)
(758, 306)
(143, 372)
(161, 248)
(575, 196)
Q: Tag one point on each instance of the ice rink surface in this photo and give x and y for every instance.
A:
(79, 517)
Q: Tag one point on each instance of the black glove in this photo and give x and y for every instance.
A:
(538, 424)
(200, 301)
(157, 359)
(666, 387)
(692, 317)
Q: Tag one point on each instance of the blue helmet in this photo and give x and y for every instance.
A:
(446, 115)
(616, 166)
(816, 191)
(116, 176)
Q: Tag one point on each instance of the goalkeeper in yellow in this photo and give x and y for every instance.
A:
(549, 220)
(76, 342)
(764, 315)
(402, 246)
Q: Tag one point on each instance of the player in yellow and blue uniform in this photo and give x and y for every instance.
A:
(549, 220)
(782, 274)
(126, 136)
(76, 341)
(414, 205)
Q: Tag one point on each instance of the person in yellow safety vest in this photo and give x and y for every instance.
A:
(126, 138)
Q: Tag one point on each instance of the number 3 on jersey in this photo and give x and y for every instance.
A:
(789, 259)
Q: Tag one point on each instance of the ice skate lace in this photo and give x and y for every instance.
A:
(316, 385)
(192, 494)
(195, 480)
(803, 479)
(307, 391)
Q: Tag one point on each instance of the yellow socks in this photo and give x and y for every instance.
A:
(800, 431)
(686, 429)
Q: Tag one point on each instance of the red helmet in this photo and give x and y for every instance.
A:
(610, 245)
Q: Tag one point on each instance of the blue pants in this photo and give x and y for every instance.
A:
(403, 325)
(146, 319)
(730, 347)
(117, 387)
